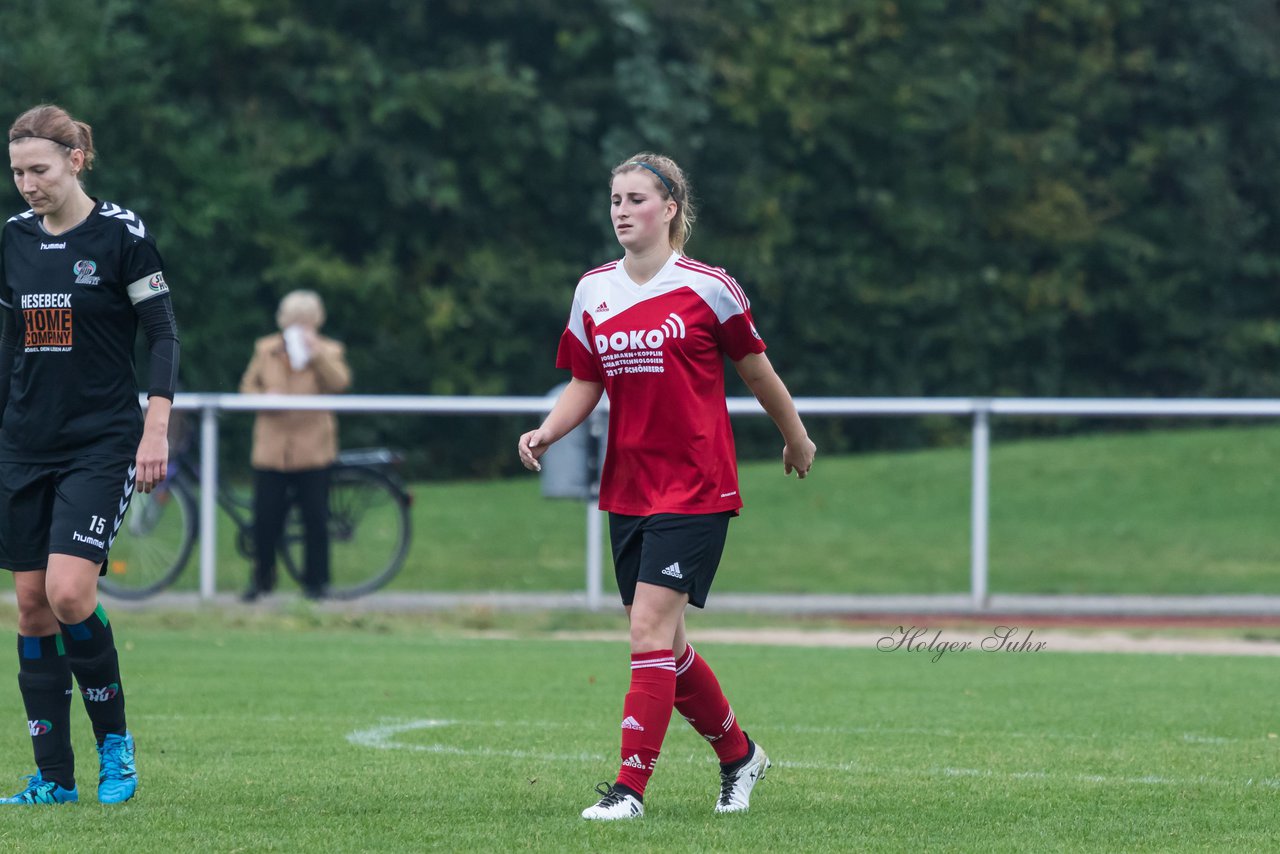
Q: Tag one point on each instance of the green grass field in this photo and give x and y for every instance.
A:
(1170, 512)
(300, 729)
(307, 732)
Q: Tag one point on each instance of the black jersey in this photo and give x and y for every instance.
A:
(73, 388)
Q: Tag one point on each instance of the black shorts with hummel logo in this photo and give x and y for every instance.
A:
(677, 550)
(72, 507)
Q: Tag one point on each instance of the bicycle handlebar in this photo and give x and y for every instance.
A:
(368, 457)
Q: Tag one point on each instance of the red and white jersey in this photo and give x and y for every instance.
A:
(659, 350)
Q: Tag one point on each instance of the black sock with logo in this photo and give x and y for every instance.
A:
(91, 651)
(44, 678)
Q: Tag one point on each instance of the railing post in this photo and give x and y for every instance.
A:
(596, 426)
(979, 509)
(595, 565)
(208, 500)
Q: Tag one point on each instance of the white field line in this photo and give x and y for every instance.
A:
(798, 729)
(384, 736)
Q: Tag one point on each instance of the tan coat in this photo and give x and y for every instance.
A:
(299, 440)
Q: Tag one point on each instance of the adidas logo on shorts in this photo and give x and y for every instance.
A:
(632, 723)
(673, 570)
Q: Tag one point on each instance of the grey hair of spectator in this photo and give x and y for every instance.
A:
(302, 307)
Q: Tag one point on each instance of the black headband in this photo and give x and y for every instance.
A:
(671, 190)
(49, 138)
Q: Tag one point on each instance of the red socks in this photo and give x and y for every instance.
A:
(645, 715)
(703, 704)
(658, 684)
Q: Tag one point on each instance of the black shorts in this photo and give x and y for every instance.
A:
(676, 550)
(72, 507)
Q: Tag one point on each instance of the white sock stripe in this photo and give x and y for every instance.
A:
(687, 661)
(728, 722)
(660, 663)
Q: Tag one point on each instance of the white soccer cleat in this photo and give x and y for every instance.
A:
(736, 786)
(613, 805)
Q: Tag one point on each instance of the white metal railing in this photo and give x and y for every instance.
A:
(980, 409)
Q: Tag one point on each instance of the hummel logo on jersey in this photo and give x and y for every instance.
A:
(44, 246)
(632, 723)
(673, 570)
(634, 761)
(604, 306)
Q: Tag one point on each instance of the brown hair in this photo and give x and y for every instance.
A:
(55, 124)
(670, 181)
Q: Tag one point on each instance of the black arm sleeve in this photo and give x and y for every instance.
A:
(8, 347)
(156, 316)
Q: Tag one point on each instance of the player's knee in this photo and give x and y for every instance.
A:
(35, 617)
(71, 602)
(649, 635)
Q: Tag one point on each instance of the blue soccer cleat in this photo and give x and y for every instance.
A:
(117, 772)
(41, 791)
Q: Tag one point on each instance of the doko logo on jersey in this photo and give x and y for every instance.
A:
(641, 339)
(637, 351)
(39, 727)
(84, 271)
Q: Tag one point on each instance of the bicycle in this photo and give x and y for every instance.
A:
(369, 528)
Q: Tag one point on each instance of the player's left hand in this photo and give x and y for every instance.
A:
(152, 461)
(798, 456)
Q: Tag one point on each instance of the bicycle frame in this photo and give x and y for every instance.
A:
(363, 482)
(183, 475)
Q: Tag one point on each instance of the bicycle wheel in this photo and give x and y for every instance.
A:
(369, 529)
(153, 544)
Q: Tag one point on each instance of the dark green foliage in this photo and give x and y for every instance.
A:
(934, 197)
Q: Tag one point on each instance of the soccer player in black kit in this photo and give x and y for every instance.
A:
(78, 276)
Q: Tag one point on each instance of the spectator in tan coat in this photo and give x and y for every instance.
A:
(294, 449)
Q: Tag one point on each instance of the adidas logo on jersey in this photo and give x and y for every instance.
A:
(673, 570)
(632, 723)
(604, 306)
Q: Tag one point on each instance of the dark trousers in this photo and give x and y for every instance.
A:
(273, 493)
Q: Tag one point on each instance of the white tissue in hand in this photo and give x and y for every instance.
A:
(295, 344)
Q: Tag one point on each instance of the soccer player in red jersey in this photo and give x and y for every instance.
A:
(78, 277)
(652, 331)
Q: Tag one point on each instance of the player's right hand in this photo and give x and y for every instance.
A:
(531, 447)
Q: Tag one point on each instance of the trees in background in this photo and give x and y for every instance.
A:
(934, 197)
